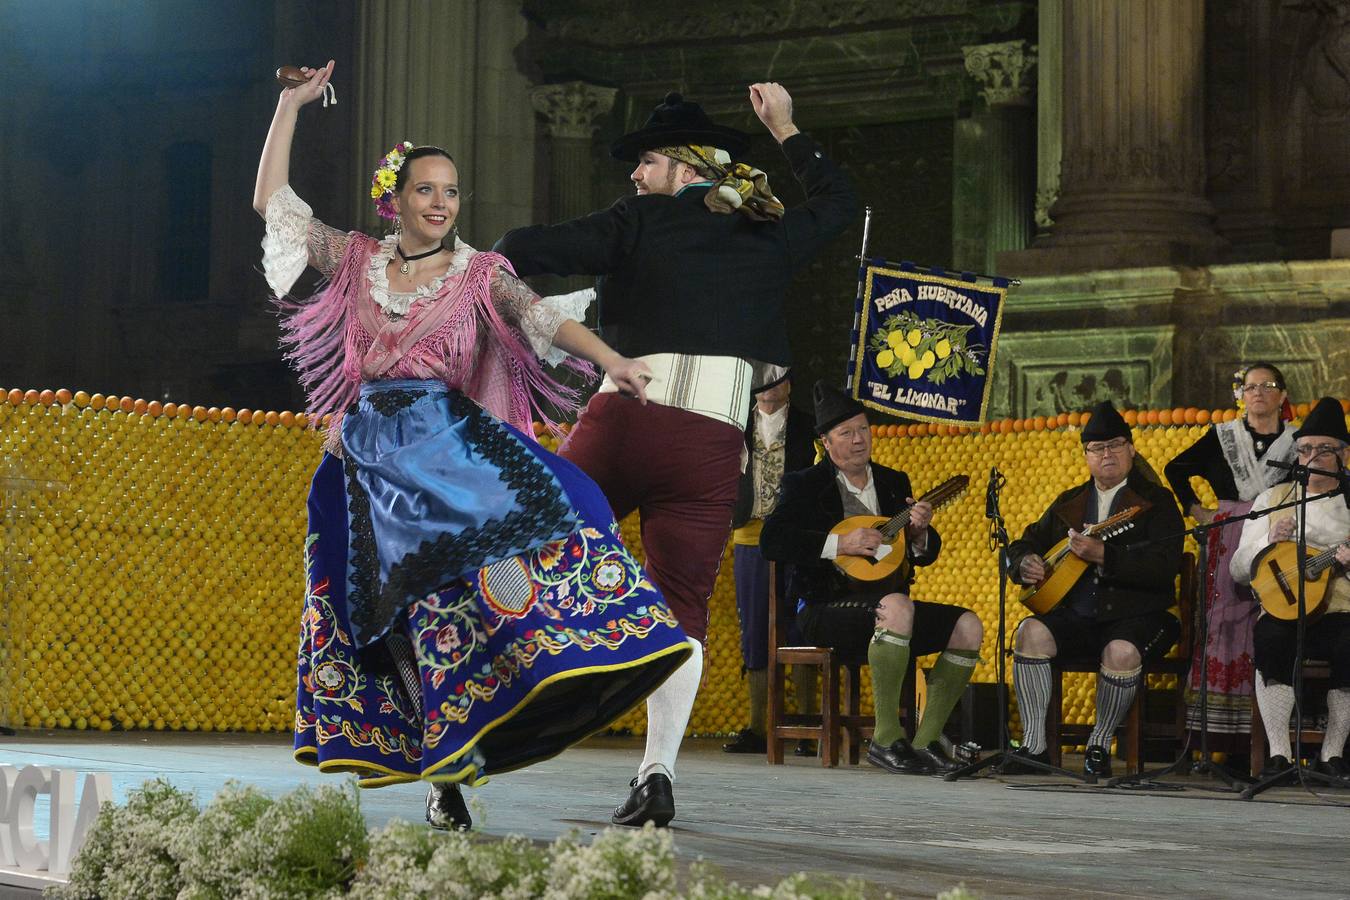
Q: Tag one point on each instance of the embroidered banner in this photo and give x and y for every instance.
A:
(923, 342)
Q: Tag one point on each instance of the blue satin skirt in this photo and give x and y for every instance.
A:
(532, 625)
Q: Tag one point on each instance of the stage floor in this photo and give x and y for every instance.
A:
(912, 836)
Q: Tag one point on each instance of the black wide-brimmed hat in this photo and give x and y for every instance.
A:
(1105, 424)
(675, 122)
(1327, 419)
(833, 406)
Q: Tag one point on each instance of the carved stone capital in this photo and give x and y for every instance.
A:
(572, 107)
(1005, 71)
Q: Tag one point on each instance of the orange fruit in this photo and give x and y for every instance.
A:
(272, 418)
(1164, 417)
(47, 397)
(213, 413)
(140, 407)
(81, 399)
(127, 404)
(227, 414)
(95, 402)
(30, 397)
(1131, 417)
(244, 417)
(15, 397)
(287, 419)
(1202, 417)
(170, 409)
(1038, 423)
(155, 408)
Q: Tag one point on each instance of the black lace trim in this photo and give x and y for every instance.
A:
(365, 560)
(388, 403)
(544, 515)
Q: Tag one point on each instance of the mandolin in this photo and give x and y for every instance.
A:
(1063, 568)
(866, 568)
(1275, 579)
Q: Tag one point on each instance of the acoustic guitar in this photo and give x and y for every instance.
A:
(1063, 568)
(1275, 579)
(866, 568)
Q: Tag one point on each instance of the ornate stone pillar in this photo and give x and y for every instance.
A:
(995, 177)
(570, 111)
(1132, 175)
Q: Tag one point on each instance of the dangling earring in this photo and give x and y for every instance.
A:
(454, 235)
(398, 224)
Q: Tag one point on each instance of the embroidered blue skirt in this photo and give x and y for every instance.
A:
(531, 624)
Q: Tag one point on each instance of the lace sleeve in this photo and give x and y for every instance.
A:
(540, 318)
(293, 237)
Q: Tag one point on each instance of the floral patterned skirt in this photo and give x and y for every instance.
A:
(518, 659)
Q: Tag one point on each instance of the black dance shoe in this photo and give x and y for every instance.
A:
(747, 742)
(1097, 762)
(804, 748)
(1334, 768)
(446, 809)
(937, 758)
(651, 801)
(1274, 766)
(1013, 764)
(899, 757)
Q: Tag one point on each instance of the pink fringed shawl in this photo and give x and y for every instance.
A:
(341, 338)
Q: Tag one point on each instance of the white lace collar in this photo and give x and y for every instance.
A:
(396, 304)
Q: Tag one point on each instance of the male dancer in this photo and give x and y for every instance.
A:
(695, 268)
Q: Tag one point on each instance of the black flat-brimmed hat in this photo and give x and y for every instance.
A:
(833, 406)
(1106, 424)
(1327, 419)
(675, 122)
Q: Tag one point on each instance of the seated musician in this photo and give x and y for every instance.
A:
(1118, 609)
(1322, 443)
(872, 622)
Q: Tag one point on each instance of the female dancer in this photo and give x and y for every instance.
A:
(470, 609)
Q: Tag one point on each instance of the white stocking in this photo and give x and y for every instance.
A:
(668, 709)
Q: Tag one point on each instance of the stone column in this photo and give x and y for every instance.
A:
(1132, 175)
(570, 111)
(995, 177)
(1049, 106)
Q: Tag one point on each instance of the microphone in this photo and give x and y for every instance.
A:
(991, 493)
(1295, 467)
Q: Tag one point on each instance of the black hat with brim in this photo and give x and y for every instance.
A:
(1327, 419)
(677, 122)
(833, 406)
(1105, 424)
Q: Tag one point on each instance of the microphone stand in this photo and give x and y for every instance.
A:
(998, 540)
(1296, 766)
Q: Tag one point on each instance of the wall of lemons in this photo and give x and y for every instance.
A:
(152, 573)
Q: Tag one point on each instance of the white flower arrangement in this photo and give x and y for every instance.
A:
(313, 844)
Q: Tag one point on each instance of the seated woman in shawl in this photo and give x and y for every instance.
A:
(1231, 456)
(470, 609)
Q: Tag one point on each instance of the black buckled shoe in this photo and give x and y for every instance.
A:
(1274, 766)
(936, 757)
(446, 809)
(804, 748)
(651, 801)
(747, 741)
(1014, 765)
(1097, 762)
(1334, 768)
(899, 757)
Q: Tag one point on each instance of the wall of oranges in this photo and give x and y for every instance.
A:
(151, 569)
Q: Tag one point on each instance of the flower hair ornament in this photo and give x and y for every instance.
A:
(386, 175)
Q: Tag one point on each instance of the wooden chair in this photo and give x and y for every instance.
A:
(838, 680)
(1313, 670)
(1134, 727)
